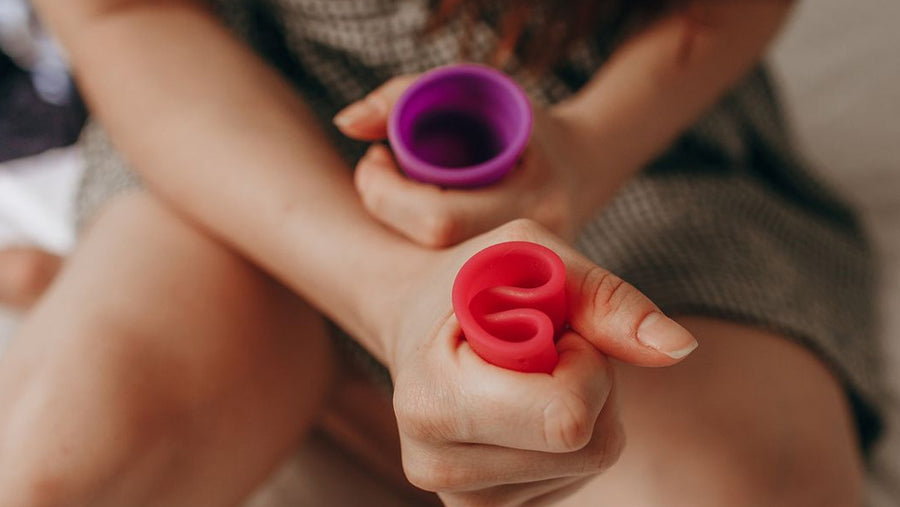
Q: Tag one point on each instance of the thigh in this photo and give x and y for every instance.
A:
(750, 418)
(161, 368)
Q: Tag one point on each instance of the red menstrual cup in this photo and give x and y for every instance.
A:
(460, 126)
(510, 302)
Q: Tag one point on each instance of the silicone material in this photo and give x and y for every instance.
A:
(460, 126)
(510, 302)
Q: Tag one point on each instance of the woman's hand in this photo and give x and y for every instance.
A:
(547, 186)
(481, 435)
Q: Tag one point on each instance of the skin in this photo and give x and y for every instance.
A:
(298, 189)
(751, 419)
(783, 404)
(102, 405)
(198, 391)
(407, 206)
(583, 149)
(25, 273)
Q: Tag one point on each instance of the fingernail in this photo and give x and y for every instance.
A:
(353, 113)
(665, 335)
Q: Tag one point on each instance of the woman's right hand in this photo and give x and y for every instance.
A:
(481, 435)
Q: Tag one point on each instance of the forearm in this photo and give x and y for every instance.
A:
(216, 132)
(664, 78)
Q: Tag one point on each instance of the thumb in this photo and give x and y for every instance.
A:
(619, 320)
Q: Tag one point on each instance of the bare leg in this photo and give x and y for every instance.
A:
(353, 458)
(750, 419)
(160, 369)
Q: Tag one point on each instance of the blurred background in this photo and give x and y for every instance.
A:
(837, 63)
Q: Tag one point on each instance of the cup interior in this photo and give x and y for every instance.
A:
(462, 119)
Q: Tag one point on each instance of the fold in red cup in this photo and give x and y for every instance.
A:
(510, 302)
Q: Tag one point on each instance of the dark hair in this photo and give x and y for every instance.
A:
(539, 32)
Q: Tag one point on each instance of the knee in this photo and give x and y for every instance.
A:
(92, 408)
(751, 419)
(773, 418)
(797, 473)
(745, 456)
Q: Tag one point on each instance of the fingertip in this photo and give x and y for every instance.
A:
(380, 154)
(362, 120)
(373, 158)
(666, 336)
(350, 115)
(367, 118)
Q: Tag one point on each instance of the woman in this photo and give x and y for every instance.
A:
(185, 355)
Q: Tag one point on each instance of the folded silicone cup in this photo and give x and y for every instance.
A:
(510, 302)
(460, 126)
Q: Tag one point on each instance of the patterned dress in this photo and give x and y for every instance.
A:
(727, 223)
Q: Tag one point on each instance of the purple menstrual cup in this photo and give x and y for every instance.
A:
(460, 126)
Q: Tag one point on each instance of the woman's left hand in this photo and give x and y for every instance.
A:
(547, 186)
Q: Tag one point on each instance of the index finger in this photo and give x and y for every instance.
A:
(366, 119)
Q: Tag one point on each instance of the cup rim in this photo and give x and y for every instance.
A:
(483, 173)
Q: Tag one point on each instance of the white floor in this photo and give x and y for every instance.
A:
(840, 73)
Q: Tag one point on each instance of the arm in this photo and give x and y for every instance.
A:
(220, 136)
(662, 80)
(583, 149)
(232, 147)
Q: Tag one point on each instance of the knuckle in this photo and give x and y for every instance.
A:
(520, 229)
(568, 426)
(418, 426)
(554, 210)
(420, 418)
(410, 420)
(435, 475)
(607, 291)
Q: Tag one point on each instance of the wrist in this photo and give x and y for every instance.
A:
(385, 295)
(598, 165)
(357, 273)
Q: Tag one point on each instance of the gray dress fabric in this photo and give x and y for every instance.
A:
(727, 223)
